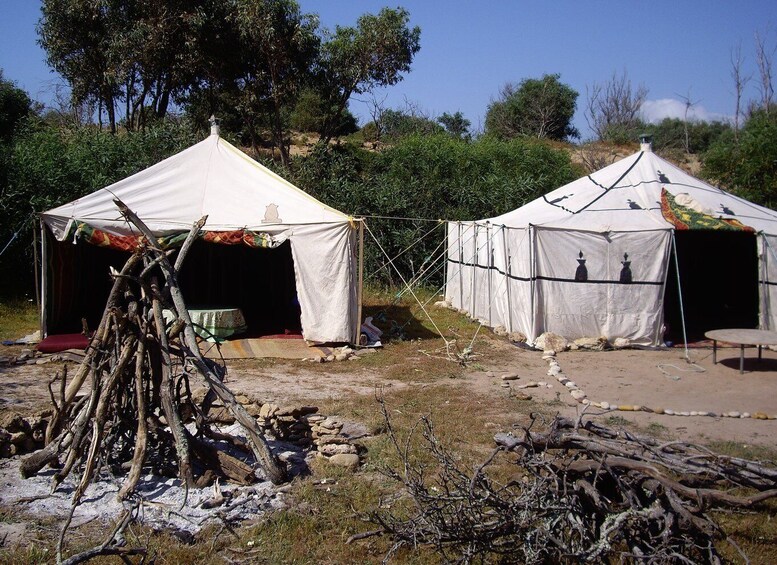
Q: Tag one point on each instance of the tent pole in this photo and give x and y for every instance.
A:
(507, 280)
(35, 258)
(461, 268)
(475, 263)
(44, 260)
(763, 314)
(490, 251)
(533, 284)
(359, 289)
(680, 294)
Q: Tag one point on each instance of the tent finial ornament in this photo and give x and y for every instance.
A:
(645, 142)
(214, 125)
(626, 276)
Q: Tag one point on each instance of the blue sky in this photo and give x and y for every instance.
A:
(470, 49)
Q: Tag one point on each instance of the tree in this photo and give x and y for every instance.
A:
(374, 53)
(455, 124)
(613, 108)
(279, 44)
(143, 53)
(765, 58)
(15, 105)
(541, 108)
(740, 81)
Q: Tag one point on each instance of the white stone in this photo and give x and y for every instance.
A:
(570, 384)
(621, 342)
(669, 412)
(595, 343)
(550, 340)
(745, 415)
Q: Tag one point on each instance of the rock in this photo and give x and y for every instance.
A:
(570, 384)
(733, 414)
(760, 416)
(522, 395)
(442, 304)
(578, 394)
(745, 415)
(500, 331)
(548, 353)
(314, 418)
(550, 340)
(253, 410)
(347, 460)
(268, 410)
(327, 440)
(505, 385)
(330, 358)
(510, 376)
(341, 357)
(490, 374)
(621, 342)
(517, 337)
(669, 412)
(14, 422)
(331, 424)
(554, 370)
(336, 449)
(593, 343)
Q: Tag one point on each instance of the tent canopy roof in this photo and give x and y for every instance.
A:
(626, 196)
(210, 178)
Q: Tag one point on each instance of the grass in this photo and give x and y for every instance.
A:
(17, 319)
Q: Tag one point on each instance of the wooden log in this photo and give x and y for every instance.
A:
(272, 467)
(94, 347)
(166, 398)
(222, 463)
(141, 434)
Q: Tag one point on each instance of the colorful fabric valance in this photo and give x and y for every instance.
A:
(84, 232)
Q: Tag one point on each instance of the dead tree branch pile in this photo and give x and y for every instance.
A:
(581, 492)
(139, 367)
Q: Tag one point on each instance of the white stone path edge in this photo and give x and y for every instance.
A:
(554, 370)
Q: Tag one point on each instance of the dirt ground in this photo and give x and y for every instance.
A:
(625, 377)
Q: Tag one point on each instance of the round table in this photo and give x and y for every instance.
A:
(741, 337)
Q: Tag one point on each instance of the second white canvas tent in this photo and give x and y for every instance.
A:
(592, 258)
(248, 206)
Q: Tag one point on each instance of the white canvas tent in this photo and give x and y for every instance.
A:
(593, 257)
(245, 203)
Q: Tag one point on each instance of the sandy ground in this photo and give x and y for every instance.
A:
(625, 377)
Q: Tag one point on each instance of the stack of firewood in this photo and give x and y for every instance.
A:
(126, 406)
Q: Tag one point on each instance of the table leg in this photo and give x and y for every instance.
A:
(714, 351)
(741, 359)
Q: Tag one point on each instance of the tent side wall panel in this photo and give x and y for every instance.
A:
(767, 251)
(326, 270)
(601, 284)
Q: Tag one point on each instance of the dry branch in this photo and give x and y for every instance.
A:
(579, 492)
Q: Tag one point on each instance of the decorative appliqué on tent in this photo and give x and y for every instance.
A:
(684, 218)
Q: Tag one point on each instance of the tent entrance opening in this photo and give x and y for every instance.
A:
(719, 278)
(260, 282)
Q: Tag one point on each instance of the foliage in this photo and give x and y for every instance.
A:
(455, 124)
(311, 111)
(613, 109)
(747, 167)
(541, 108)
(669, 133)
(374, 53)
(15, 105)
